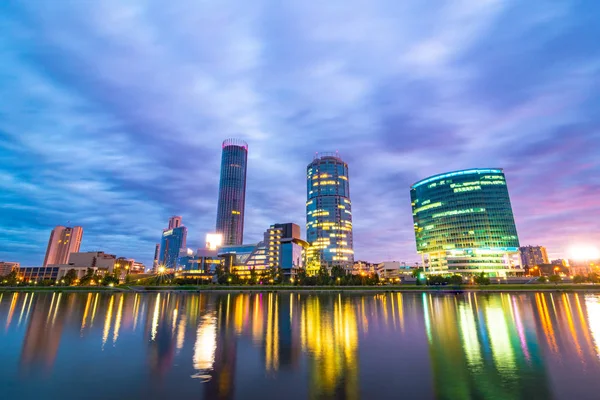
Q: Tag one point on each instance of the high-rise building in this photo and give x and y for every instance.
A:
(533, 255)
(464, 223)
(329, 212)
(156, 256)
(63, 241)
(232, 192)
(172, 242)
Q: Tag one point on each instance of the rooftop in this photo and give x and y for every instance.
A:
(471, 171)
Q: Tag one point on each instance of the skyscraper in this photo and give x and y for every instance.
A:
(156, 256)
(329, 212)
(173, 240)
(232, 192)
(63, 241)
(533, 255)
(464, 223)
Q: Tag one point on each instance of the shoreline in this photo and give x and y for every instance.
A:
(499, 288)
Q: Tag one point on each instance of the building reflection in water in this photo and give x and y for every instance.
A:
(480, 346)
(43, 333)
(329, 335)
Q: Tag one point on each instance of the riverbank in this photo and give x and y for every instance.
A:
(498, 288)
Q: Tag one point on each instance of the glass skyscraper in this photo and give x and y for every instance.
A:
(232, 192)
(464, 222)
(172, 242)
(329, 212)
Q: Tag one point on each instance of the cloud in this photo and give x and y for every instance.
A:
(116, 112)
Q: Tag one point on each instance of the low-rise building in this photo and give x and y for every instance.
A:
(37, 274)
(394, 270)
(202, 265)
(533, 255)
(363, 268)
(6, 267)
(282, 249)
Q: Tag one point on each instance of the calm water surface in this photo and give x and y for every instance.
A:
(299, 346)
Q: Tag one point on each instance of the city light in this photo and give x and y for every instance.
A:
(584, 252)
(161, 270)
(214, 241)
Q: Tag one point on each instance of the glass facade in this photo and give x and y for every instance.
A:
(464, 223)
(232, 192)
(172, 241)
(329, 212)
(285, 248)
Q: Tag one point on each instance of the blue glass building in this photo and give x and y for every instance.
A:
(464, 223)
(329, 212)
(232, 192)
(173, 240)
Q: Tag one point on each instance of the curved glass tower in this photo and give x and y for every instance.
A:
(232, 192)
(464, 222)
(329, 212)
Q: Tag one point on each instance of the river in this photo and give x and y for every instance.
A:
(299, 346)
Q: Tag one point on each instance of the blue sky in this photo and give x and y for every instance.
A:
(112, 114)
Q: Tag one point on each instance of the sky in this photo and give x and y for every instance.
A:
(112, 114)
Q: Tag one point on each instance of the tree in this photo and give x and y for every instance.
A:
(481, 279)
(110, 279)
(323, 276)
(222, 275)
(455, 280)
(436, 280)
(578, 279)
(416, 272)
(90, 277)
(11, 278)
(542, 279)
(554, 279)
(70, 277)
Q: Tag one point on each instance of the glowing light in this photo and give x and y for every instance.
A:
(584, 252)
(161, 270)
(206, 345)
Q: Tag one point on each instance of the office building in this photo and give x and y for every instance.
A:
(232, 192)
(202, 265)
(285, 249)
(63, 241)
(533, 255)
(172, 242)
(242, 259)
(7, 267)
(464, 223)
(156, 256)
(329, 212)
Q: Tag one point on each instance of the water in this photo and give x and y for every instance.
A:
(299, 346)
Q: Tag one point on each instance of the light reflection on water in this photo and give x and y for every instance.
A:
(274, 345)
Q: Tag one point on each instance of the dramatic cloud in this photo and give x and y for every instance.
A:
(112, 114)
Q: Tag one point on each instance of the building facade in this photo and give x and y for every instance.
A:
(63, 241)
(174, 239)
(156, 256)
(7, 267)
(464, 223)
(329, 212)
(285, 248)
(533, 255)
(232, 192)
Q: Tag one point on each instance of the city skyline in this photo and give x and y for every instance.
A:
(115, 117)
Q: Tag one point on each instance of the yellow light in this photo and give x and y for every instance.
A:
(161, 270)
(584, 252)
